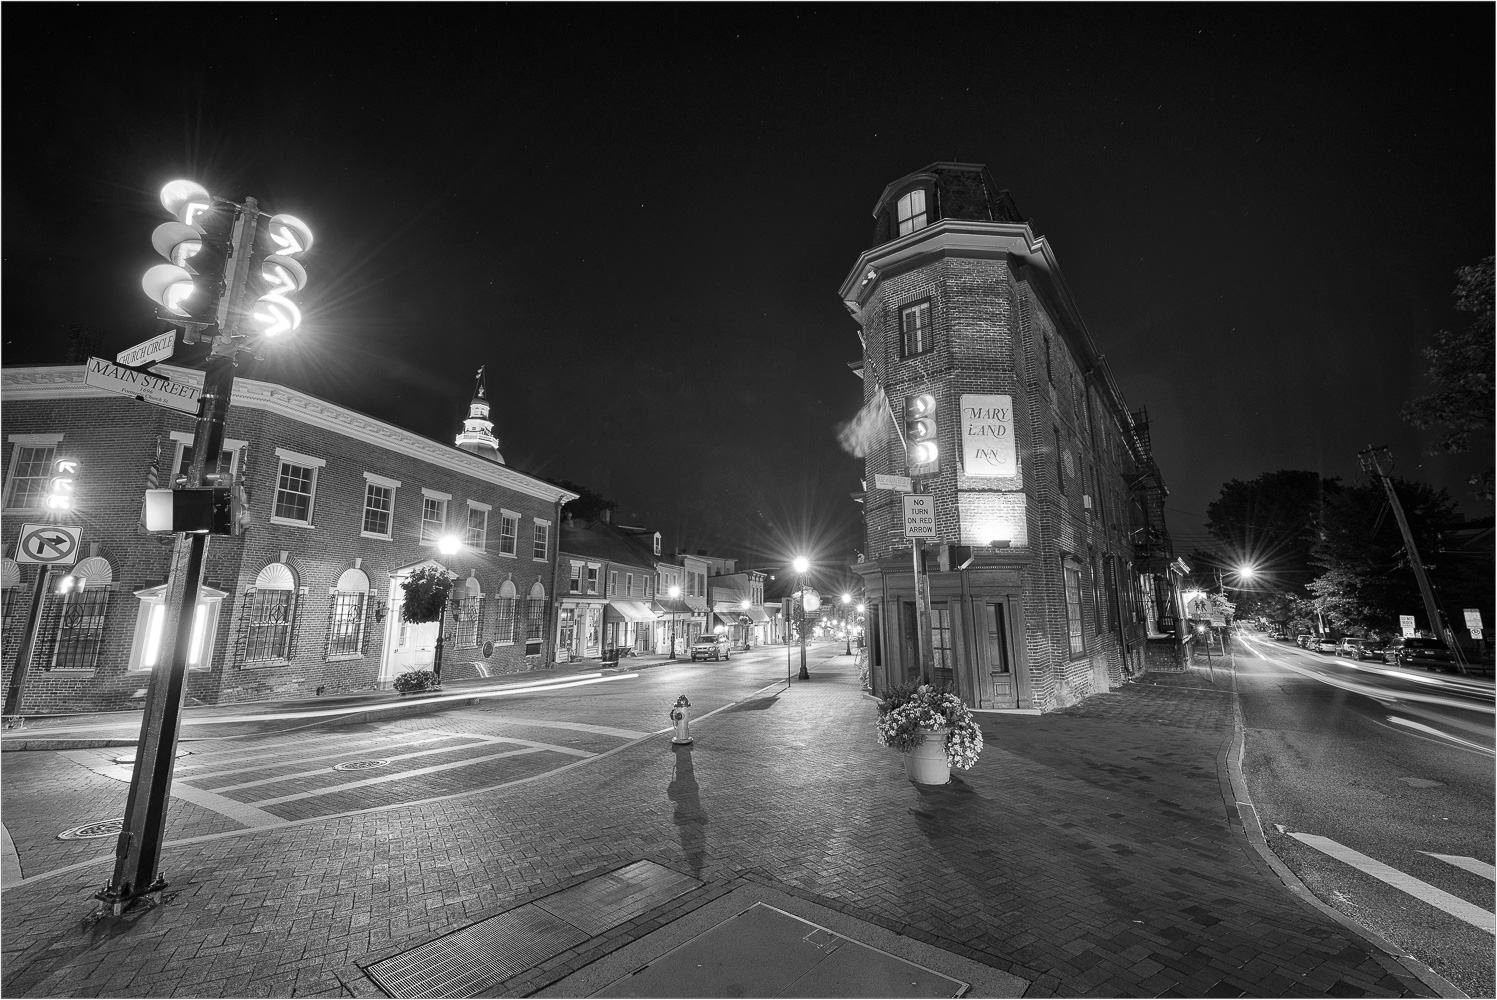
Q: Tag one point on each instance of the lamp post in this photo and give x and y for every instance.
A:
(801, 565)
(448, 546)
(675, 593)
(846, 628)
(747, 623)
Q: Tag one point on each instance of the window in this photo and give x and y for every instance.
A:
(467, 612)
(940, 647)
(346, 631)
(914, 324)
(30, 473)
(1049, 365)
(535, 618)
(228, 456)
(628, 584)
(146, 652)
(613, 583)
(268, 615)
(592, 579)
(433, 516)
(647, 583)
(1060, 464)
(542, 540)
(911, 212)
(80, 629)
(296, 487)
(477, 534)
(1073, 607)
(379, 504)
(509, 533)
(575, 583)
(506, 615)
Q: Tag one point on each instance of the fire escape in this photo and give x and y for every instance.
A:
(1152, 551)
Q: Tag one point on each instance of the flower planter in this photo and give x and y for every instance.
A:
(927, 764)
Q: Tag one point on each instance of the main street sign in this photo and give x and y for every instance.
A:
(919, 515)
(899, 484)
(48, 544)
(153, 350)
(144, 386)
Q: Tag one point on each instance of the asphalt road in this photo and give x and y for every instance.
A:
(1375, 787)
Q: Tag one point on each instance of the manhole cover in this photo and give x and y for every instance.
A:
(360, 765)
(103, 828)
(129, 758)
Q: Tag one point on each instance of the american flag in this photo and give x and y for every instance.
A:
(861, 434)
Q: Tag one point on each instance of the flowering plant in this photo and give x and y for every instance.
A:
(909, 713)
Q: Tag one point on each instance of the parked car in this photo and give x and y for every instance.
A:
(1303, 640)
(1420, 652)
(1351, 647)
(1323, 644)
(1372, 647)
(709, 644)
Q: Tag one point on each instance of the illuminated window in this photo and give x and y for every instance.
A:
(940, 647)
(914, 324)
(30, 474)
(509, 533)
(379, 505)
(911, 212)
(433, 516)
(146, 651)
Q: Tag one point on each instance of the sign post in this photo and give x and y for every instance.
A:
(1406, 622)
(920, 524)
(44, 545)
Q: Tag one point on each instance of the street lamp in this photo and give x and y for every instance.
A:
(847, 632)
(448, 546)
(675, 593)
(801, 564)
(747, 624)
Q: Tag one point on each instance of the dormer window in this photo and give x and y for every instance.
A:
(911, 212)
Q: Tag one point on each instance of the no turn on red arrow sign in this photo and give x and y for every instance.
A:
(49, 544)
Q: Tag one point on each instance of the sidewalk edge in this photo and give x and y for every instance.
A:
(1246, 815)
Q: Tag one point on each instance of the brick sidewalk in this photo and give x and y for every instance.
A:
(1089, 852)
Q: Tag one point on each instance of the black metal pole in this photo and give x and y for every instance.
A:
(436, 664)
(804, 674)
(138, 850)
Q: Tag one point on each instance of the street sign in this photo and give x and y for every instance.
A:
(1406, 622)
(153, 350)
(144, 386)
(48, 544)
(919, 515)
(1473, 618)
(899, 484)
(1476, 633)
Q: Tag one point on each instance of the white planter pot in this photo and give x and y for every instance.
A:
(926, 764)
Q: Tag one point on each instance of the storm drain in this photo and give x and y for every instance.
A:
(103, 828)
(476, 958)
(360, 765)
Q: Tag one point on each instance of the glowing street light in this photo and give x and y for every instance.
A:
(448, 545)
(846, 600)
(675, 593)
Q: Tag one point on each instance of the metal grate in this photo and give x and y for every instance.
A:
(467, 962)
(103, 828)
(602, 903)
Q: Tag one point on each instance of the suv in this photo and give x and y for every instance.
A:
(710, 644)
(1324, 644)
(1352, 648)
(1418, 651)
(1303, 640)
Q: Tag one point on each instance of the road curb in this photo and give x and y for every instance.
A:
(1244, 816)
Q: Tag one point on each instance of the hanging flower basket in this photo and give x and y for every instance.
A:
(426, 592)
(932, 728)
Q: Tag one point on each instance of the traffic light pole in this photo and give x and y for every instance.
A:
(922, 610)
(138, 851)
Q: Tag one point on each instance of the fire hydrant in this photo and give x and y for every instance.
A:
(683, 725)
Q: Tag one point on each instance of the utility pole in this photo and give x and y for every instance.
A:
(1370, 459)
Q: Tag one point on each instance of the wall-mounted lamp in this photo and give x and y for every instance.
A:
(1000, 543)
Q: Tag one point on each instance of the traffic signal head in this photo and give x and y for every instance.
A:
(189, 288)
(273, 275)
(920, 433)
(214, 510)
(64, 484)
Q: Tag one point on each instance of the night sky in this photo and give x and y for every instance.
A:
(638, 217)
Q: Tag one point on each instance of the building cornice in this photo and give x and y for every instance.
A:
(943, 238)
(49, 382)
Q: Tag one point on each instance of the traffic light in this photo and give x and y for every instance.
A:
(63, 485)
(920, 433)
(198, 244)
(273, 274)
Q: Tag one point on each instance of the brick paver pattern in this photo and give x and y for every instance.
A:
(1091, 852)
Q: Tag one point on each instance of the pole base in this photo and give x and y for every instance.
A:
(117, 901)
(681, 743)
(803, 675)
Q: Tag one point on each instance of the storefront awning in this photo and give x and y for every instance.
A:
(666, 606)
(731, 619)
(756, 614)
(629, 611)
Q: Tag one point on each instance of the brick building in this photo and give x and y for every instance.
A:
(344, 506)
(1041, 474)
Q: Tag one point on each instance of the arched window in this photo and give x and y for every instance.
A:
(11, 584)
(269, 611)
(79, 635)
(506, 615)
(467, 611)
(346, 622)
(535, 618)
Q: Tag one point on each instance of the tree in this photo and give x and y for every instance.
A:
(426, 592)
(1366, 580)
(588, 506)
(1461, 373)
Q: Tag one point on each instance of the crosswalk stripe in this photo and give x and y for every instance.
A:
(1471, 865)
(1438, 898)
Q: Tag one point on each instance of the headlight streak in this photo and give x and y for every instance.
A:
(1384, 696)
(1465, 744)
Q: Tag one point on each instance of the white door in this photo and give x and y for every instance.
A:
(407, 647)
